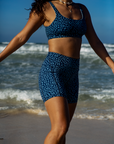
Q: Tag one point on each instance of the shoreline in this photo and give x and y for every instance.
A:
(26, 128)
(43, 112)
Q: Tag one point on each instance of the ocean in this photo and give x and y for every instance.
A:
(19, 90)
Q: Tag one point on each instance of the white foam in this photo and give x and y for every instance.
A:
(2, 48)
(86, 45)
(25, 95)
(80, 116)
(97, 117)
(4, 108)
(99, 94)
(28, 48)
(42, 112)
(104, 95)
(5, 42)
(32, 49)
(109, 45)
(30, 43)
(87, 50)
(88, 53)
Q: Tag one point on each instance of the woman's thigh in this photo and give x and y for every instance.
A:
(58, 111)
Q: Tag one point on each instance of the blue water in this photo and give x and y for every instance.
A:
(19, 82)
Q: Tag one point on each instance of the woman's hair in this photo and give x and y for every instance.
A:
(37, 6)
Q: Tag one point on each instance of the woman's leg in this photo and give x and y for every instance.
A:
(58, 110)
(72, 107)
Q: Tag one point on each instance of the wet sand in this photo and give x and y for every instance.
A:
(26, 128)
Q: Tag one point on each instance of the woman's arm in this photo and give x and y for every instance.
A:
(95, 43)
(34, 22)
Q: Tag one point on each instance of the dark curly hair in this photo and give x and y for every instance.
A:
(37, 6)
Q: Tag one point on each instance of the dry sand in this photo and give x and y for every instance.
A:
(32, 129)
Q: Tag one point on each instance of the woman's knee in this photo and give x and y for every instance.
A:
(61, 128)
(64, 128)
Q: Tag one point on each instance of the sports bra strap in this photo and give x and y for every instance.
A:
(53, 6)
(81, 10)
(57, 12)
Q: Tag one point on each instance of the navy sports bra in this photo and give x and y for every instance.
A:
(65, 27)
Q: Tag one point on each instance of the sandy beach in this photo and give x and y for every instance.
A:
(24, 128)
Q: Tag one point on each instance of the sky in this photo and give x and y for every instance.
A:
(13, 17)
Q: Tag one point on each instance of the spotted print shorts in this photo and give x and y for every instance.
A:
(59, 77)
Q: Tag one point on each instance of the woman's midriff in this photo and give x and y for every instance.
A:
(66, 46)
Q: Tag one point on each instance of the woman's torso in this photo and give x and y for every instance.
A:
(68, 44)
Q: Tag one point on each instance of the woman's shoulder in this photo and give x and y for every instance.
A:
(84, 8)
(80, 5)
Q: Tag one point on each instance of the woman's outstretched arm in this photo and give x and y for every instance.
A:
(95, 42)
(34, 22)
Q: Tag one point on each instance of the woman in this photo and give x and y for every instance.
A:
(65, 22)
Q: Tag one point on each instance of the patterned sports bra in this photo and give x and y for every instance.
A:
(65, 27)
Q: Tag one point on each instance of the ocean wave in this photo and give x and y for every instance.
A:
(90, 106)
(4, 43)
(31, 95)
(30, 48)
(109, 45)
(97, 94)
(21, 95)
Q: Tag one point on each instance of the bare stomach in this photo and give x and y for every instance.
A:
(66, 46)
